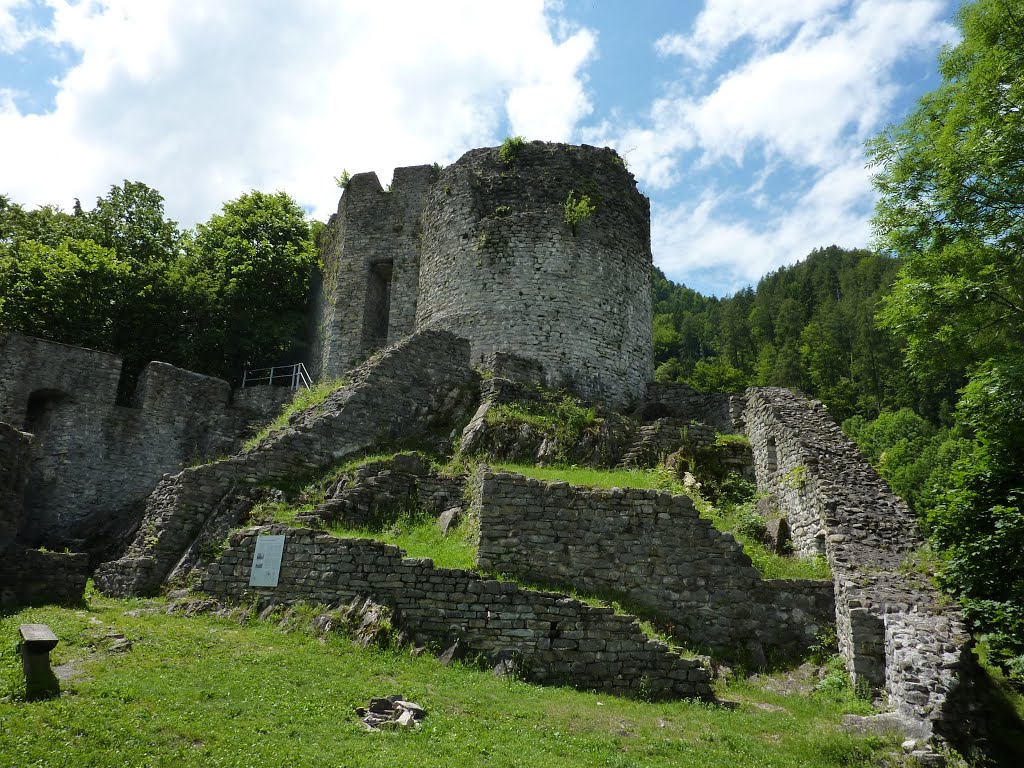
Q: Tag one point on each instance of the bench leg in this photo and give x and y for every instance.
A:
(40, 682)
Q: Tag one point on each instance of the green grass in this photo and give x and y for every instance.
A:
(420, 536)
(303, 400)
(209, 692)
(595, 478)
(726, 517)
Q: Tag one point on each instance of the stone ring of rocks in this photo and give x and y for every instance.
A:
(390, 713)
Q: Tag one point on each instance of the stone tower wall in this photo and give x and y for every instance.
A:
(500, 266)
(370, 254)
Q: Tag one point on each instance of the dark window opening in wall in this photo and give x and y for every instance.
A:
(378, 305)
(773, 455)
(40, 404)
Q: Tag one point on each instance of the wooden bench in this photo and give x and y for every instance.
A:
(37, 640)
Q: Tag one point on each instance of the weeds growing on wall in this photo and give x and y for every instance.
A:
(304, 399)
(577, 209)
(560, 416)
(509, 149)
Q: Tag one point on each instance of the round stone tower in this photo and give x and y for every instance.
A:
(501, 264)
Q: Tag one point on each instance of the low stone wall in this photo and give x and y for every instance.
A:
(896, 632)
(381, 405)
(30, 576)
(654, 549)
(721, 411)
(561, 640)
(665, 436)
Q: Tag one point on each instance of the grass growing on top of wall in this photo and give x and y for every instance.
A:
(738, 519)
(304, 399)
(208, 691)
(420, 536)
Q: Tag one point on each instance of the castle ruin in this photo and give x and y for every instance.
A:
(438, 295)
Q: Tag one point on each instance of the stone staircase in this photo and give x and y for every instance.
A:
(381, 405)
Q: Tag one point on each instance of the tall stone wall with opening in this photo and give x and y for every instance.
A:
(91, 461)
(897, 633)
(482, 248)
(370, 254)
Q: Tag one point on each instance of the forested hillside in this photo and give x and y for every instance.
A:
(811, 325)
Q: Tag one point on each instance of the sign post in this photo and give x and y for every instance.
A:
(266, 561)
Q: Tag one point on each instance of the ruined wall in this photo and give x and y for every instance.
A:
(56, 372)
(561, 640)
(381, 404)
(92, 461)
(896, 632)
(27, 575)
(721, 411)
(655, 549)
(501, 267)
(14, 447)
(370, 254)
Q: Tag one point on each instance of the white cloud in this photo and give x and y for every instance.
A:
(15, 33)
(818, 81)
(723, 22)
(703, 238)
(205, 101)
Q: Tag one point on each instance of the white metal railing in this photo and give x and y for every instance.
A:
(292, 376)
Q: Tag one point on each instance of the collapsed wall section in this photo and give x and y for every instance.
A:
(560, 640)
(653, 549)
(383, 403)
(370, 277)
(501, 266)
(896, 632)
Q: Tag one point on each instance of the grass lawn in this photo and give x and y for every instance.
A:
(208, 691)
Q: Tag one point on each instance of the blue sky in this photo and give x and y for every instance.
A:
(743, 120)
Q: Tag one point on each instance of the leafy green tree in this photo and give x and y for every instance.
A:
(260, 255)
(71, 293)
(951, 179)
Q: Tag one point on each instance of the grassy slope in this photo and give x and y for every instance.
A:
(209, 692)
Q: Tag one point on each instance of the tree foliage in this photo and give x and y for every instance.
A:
(124, 278)
(951, 180)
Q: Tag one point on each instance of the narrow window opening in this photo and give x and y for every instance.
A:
(378, 305)
(773, 455)
(40, 404)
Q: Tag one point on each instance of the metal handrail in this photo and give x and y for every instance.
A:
(292, 376)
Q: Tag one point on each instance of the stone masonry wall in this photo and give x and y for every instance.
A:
(92, 462)
(370, 253)
(721, 411)
(27, 575)
(381, 404)
(500, 266)
(14, 446)
(655, 549)
(896, 632)
(561, 640)
(29, 365)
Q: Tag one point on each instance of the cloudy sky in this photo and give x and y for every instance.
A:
(743, 120)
